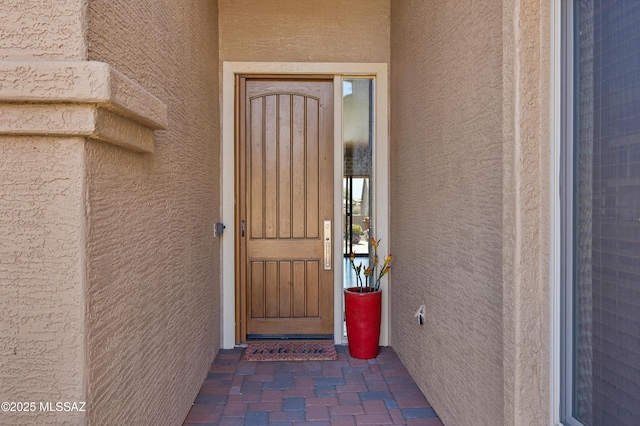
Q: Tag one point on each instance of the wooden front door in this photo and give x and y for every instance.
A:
(285, 165)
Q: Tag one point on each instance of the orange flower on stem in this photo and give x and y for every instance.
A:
(370, 271)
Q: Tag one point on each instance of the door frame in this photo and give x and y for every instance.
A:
(380, 178)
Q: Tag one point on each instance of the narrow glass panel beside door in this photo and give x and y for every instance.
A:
(357, 172)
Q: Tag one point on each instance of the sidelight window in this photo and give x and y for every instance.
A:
(357, 129)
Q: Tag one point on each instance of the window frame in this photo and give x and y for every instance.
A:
(562, 210)
(567, 259)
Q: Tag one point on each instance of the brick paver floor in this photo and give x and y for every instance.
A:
(347, 392)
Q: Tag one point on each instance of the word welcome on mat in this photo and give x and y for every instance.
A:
(290, 351)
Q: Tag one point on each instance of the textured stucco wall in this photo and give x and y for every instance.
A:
(468, 210)
(153, 297)
(526, 225)
(41, 278)
(42, 204)
(304, 31)
(43, 29)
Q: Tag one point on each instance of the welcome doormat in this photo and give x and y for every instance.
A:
(290, 351)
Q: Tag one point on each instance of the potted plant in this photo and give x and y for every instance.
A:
(356, 232)
(363, 305)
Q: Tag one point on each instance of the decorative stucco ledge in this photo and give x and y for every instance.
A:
(78, 98)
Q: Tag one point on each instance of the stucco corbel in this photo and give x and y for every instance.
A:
(78, 98)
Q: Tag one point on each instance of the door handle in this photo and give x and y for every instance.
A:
(242, 228)
(327, 245)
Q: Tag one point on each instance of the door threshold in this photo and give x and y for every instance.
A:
(273, 337)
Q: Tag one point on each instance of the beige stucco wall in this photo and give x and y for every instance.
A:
(41, 276)
(304, 31)
(42, 204)
(109, 287)
(469, 202)
(153, 298)
(43, 29)
(526, 213)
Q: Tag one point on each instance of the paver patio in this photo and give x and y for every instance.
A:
(347, 391)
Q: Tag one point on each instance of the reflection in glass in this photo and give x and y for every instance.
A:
(357, 130)
(605, 360)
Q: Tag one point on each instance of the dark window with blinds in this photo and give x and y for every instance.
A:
(601, 359)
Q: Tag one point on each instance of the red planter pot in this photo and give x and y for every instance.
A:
(363, 313)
